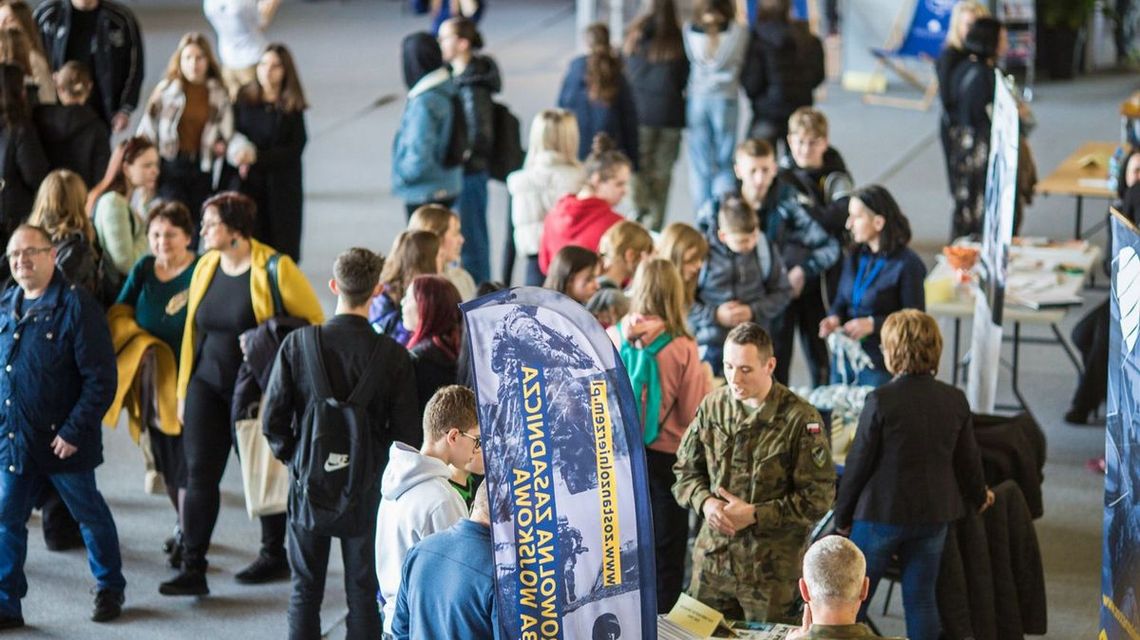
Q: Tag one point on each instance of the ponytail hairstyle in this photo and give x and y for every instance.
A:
(603, 67)
(605, 160)
(115, 178)
(896, 230)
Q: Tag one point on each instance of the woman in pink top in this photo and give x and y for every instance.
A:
(669, 381)
(581, 219)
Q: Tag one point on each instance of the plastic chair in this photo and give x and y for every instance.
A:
(922, 40)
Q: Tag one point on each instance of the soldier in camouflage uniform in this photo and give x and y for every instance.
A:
(756, 465)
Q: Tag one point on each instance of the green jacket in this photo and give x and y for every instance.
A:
(840, 632)
(776, 458)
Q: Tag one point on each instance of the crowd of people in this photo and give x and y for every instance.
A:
(162, 277)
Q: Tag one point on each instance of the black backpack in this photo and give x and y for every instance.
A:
(336, 464)
(459, 144)
(507, 155)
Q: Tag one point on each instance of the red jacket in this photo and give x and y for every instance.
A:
(574, 221)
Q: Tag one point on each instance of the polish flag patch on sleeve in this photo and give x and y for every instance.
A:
(813, 428)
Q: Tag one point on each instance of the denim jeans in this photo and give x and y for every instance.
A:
(472, 205)
(17, 495)
(712, 122)
(919, 548)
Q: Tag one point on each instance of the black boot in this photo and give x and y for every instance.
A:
(190, 582)
(108, 605)
(267, 568)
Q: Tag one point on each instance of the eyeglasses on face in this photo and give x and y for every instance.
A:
(30, 252)
(478, 440)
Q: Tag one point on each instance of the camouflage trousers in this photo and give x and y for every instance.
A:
(760, 587)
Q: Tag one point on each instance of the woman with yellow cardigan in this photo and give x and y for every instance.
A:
(229, 294)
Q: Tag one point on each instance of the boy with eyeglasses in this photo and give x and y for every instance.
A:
(417, 498)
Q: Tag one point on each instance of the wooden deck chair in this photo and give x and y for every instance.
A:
(922, 40)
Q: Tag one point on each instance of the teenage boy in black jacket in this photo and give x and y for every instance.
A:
(348, 345)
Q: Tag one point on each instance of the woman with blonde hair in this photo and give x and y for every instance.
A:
(962, 17)
(445, 223)
(59, 209)
(913, 469)
(551, 171)
(687, 249)
(669, 383)
(16, 14)
(190, 119)
(414, 253)
(622, 247)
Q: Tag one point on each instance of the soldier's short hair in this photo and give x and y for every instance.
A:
(753, 334)
(357, 272)
(912, 342)
(451, 407)
(834, 569)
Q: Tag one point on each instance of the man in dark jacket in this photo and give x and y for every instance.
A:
(783, 67)
(58, 380)
(105, 37)
(806, 248)
(349, 347)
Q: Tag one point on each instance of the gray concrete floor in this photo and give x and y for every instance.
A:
(348, 56)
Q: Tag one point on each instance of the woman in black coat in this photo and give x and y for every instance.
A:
(658, 70)
(969, 110)
(24, 161)
(270, 112)
(913, 467)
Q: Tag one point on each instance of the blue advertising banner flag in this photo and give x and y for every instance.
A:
(1120, 569)
(565, 471)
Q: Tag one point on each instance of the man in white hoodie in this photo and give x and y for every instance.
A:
(417, 497)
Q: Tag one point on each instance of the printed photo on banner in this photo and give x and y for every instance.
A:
(568, 519)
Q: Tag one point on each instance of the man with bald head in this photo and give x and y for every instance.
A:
(57, 379)
(833, 586)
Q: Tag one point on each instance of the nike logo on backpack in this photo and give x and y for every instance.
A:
(336, 462)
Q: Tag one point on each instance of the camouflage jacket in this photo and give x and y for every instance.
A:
(776, 458)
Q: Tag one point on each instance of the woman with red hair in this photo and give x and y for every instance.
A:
(431, 312)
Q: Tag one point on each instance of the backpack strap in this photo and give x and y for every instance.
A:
(275, 284)
(365, 388)
(314, 361)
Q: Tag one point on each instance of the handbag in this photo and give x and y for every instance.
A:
(264, 478)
